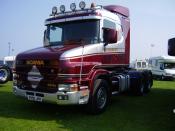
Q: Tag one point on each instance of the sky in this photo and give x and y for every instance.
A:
(22, 24)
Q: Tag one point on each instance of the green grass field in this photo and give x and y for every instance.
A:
(153, 112)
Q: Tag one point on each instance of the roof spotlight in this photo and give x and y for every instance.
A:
(54, 10)
(92, 5)
(73, 6)
(62, 8)
(82, 5)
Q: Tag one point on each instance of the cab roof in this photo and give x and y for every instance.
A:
(117, 9)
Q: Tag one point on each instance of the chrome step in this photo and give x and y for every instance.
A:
(115, 93)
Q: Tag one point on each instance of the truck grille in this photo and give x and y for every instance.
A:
(42, 78)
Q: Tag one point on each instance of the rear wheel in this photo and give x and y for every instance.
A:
(137, 84)
(100, 98)
(140, 89)
(147, 80)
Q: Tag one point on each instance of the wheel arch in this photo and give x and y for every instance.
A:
(99, 74)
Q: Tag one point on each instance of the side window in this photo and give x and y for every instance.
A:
(139, 65)
(115, 26)
(150, 62)
(153, 63)
(156, 63)
(109, 24)
(143, 64)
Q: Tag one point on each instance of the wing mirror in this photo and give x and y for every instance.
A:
(171, 47)
(109, 36)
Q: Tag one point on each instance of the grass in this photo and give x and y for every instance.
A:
(126, 113)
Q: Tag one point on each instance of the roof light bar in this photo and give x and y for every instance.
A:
(93, 5)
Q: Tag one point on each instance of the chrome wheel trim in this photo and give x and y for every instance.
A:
(101, 97)
(3, 74)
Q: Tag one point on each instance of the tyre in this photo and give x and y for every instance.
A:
(140, 89)
(100, 97)
(4, 74)
(147, 88)
(137, 83)
(148, 80)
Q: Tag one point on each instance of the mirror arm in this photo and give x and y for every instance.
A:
(105, 44)
(45, 40)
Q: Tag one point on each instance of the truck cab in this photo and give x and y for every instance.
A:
(84, 58)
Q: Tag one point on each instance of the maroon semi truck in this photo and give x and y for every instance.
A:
(84, 60)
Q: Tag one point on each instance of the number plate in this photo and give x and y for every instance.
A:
(34, 98)
(62, 97)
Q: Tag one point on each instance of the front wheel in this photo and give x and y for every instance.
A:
(4, 74)
(100, 97)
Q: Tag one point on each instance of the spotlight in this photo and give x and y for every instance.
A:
(73, 6)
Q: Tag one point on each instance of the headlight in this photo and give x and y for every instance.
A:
(168, 74)
(68, 87)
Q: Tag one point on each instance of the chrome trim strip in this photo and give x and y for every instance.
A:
(71, 75)
(96, 66)
(75, 57)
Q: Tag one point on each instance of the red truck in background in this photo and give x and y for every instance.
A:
(85, 59)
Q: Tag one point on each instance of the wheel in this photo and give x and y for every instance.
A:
(137, 84)
(162, 78)
(4, 74)
(147, 88)
(148, 80)
(100, 97)
(140, 89)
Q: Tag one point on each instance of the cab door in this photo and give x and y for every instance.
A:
(114, 52)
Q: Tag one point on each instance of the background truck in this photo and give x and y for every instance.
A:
(139, 64)
(6, 69)
(162, 67)
(85, 59)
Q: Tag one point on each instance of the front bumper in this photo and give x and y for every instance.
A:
(60, 98)
(169, 76)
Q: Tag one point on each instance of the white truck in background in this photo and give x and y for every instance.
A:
(139, 64)
(162, 67)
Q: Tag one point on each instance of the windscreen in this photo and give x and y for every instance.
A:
(169, 65)
(76, 31)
